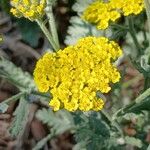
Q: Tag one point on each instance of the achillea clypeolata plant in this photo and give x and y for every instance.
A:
(75, 74)
(77, 77)
(31, 9)
(102, 13)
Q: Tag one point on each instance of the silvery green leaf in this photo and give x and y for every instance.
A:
(80, 146)
(81, 5)
(79, 29)
(133, 141)
(20, 117)
(60, 121)
(22, 80)
(145, 62)
(3, 107)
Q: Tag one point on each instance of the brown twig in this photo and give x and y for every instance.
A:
(20, 48)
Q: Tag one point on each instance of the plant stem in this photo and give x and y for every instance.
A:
(14, 98)
(41, 94)
(133, 35)
(147, 6)
(52, 24)
(47, 34)
(120, 26)
(41, 143)
(143, 96)
(147, 83)
(139, 99)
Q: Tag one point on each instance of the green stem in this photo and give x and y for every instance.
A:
(147, 83)
(14, 98)
(120, 26)
(52, 24)
(143, 96)
(47, 34)
(147, 6)
(41, 143)
(133, 35)
(139, 99)
(41, 94)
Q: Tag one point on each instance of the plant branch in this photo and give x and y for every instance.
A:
(14, 98)
(133, 35)
(52, 24)
(147, 6)
(47, 34)
(139, 99)
(41, 143)
(147, 83)
(41, 94)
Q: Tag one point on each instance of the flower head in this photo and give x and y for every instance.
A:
(75, 74)
(31, 9)
(128, 7)
(102, 13)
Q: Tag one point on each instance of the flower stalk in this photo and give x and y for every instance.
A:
(47, 34)
(147, 6)
(52, 23)
(133, 35)
(14, 98)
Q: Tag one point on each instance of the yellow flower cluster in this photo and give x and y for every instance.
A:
(31, 9)
(101, 13)
(75, 74)
(128, 7)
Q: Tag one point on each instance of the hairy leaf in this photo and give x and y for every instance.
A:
(60, 121)
(3, 107)
(133, 141)
(80, 6)
(79, 29)
(20, 117)
(16, 75)
(92, 130)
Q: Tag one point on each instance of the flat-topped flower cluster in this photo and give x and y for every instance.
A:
(31, 9)
(75, 74)
(102, 13)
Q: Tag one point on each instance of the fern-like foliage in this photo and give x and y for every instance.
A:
(20, 117)
(16, 75)
(80, 28)
(93, 133)
(60, 121)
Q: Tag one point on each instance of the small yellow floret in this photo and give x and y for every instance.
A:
(30, 9)
(102, 13)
